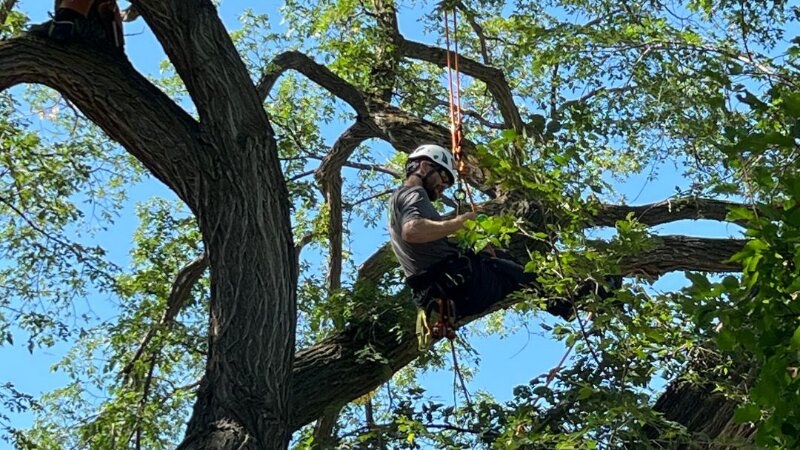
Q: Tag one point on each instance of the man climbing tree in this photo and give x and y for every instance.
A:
(435, 267)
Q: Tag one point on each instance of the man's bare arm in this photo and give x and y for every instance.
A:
(420, 231)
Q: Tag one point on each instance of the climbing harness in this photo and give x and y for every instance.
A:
(445, 327)
(434, 290)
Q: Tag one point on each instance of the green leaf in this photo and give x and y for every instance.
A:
(791, 101)
(796, 339)
(699, 281)
(747, 413)
(726, 339)
(740, 213)
(585, 393)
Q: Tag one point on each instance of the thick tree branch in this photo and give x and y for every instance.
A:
(242, 211)
(200, 48)
(494, 78)
(405, 132)
(706, 412)
(320, 369)
(343, 148)
(376, 118)
(315, 72)
(387, 56)
(114, 96)
(673, 253)
(340, 368)
(329, 176)
(670, 210)
(324, 437)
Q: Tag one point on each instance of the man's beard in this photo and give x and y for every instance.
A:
(432, 194)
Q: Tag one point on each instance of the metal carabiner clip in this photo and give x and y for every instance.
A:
(460, 194)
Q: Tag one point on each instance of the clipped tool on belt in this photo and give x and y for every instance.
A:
(442, 322)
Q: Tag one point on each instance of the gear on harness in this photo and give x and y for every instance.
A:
(434, 292)
(439, 324)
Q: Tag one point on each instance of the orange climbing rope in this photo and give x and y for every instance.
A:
(454, 89)
(456, 127)
(443, 328)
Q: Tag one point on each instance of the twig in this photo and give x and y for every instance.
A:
(459, 376)
(181, 288)
(366, 199)
(302, 175)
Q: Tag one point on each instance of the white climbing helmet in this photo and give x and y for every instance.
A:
(437, 154)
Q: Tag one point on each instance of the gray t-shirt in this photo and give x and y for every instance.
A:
(409, 203)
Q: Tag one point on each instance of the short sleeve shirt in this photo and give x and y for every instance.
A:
(409, 203)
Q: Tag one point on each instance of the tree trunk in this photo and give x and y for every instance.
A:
(703, 410)
(243, 214)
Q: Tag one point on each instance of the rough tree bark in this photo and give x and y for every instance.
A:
(242, 209)
(225, 168)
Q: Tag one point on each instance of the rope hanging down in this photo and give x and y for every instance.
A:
(454, 90)
(456, 125)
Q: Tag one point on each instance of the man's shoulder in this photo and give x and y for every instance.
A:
(404, 192)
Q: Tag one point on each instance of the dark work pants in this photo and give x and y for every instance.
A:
(493, 278)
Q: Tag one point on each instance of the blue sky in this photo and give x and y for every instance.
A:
(506, 363)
